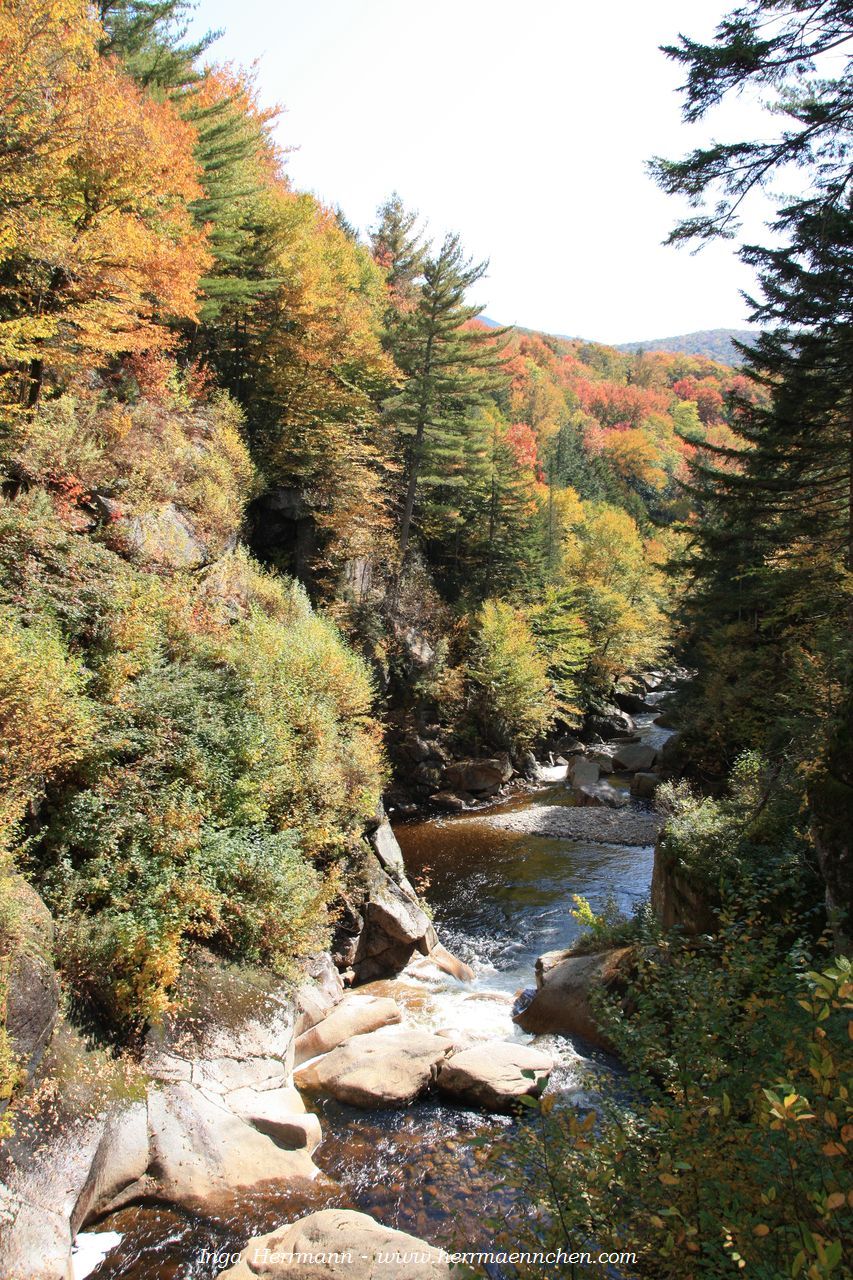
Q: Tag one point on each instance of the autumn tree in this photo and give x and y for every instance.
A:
(98, 243)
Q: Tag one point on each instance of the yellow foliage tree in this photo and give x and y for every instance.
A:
(97, 243)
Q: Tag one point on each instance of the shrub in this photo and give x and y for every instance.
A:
(142, 455)
(46, 723)
(511, 697)
(234, 763)
(728, 1156)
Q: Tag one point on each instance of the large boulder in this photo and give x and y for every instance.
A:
(355, 1015)
(395, 926)
(672, 756)
(582, 772)
(482, 776)
(630, 701)
(600, 794)
(644, 785)
(386, 1068)
(338, 1244)
(495, 1075)
(567, 987)
(610, 722)
(634, 757)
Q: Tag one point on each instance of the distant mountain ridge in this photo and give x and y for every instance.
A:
(716, 344)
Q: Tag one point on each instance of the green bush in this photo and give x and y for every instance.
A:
(730, 1154)
(511, 696)
(234, 762)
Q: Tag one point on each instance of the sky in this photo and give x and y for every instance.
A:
(524, 128)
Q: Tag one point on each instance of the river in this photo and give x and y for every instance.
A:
(500, 898)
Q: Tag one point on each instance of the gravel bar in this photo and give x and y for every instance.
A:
(605, 826)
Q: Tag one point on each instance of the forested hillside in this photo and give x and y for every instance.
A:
(199, 361)
(715, 344)
(276, 505)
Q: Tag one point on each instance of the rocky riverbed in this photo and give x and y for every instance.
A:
(605, 826)
(362, 1102)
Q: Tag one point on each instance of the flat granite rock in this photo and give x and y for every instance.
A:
(386, 1068)
(492, 1075)
(338, 1244)
(355, 1015)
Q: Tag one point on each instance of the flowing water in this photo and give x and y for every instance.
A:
(500, 898)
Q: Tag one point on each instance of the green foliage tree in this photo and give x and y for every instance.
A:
(774, 556)
(512, 699)
(448, 367)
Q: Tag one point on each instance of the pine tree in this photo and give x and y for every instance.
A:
(771, 607)
(448, 369)
(149, 37)
(397, 246)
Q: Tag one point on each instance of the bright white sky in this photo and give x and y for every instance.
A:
(523, 127)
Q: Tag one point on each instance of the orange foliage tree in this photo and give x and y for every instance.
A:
(97, 242)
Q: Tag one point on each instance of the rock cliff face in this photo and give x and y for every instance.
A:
(677, 902)
(32, 991)
(212, 1115)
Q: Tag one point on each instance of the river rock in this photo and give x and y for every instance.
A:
(611, 723)
(562, 1004)
(643, 785)
(386, 1068)
(448, 800)
(600, 793)
(449, 963)
(582, 771)
(491, 1075)
(387, 849)
(343, 1245)
(630, 701)
(634, 757)
(354, 1015)
(395, 926)
(281, 1115)
(428, 775)
(318, 995)
(483, 776)
(604, 760)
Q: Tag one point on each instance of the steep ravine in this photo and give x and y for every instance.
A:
(500, 893)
